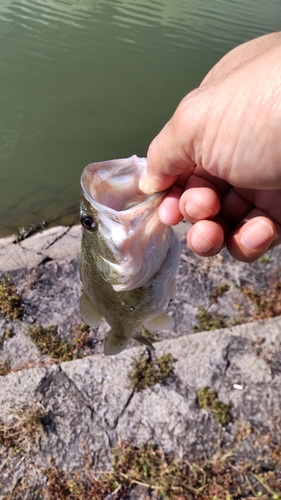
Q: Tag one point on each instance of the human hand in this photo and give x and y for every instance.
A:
(221, 153)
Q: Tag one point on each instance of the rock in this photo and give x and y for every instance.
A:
(4, 242)
(44, 239)
(66, 247)
(88, 404)
(13, 256)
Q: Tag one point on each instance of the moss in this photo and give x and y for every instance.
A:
(265, 259)
(149, 371)
(207, 399)
(5, 368)
(219, 291)
(48, 342)
(165, 365)
(81, 339)
(208, 321)
(6, 335)
(266, 305)
(10, 300)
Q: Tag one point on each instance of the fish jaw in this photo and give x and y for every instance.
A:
(127, 222)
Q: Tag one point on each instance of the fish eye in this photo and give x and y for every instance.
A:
(88, 222)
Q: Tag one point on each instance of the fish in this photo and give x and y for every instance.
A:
(129, 258)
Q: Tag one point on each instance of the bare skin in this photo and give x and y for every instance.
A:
(220, 155)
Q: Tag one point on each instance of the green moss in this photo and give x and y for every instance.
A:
(265, 259)
(48, 342)
(208, 321)
(10, 300)
(207, 399)
(165, 365)
(146, 372)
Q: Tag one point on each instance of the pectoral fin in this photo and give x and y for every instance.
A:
(114, 344)
(160, 322)
(144, 341)
(89, 312)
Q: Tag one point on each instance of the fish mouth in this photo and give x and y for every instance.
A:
(112, 187)
(127, 227)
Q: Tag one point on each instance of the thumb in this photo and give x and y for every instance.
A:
(171, 153)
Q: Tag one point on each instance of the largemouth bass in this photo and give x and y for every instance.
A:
(129, 257)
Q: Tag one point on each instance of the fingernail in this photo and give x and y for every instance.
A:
(200, 242)
(257, 235)
(196, 210)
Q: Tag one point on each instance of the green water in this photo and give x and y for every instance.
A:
(88, 80)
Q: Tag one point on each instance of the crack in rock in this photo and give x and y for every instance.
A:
(122, 412)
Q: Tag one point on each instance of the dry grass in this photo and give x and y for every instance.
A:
(23, 428)
(149, 470)
(143, 472)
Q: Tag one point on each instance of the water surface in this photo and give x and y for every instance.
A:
(89, 80)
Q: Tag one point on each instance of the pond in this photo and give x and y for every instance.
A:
(88, 80)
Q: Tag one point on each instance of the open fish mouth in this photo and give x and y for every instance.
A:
(112, 187)
(130, 240)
